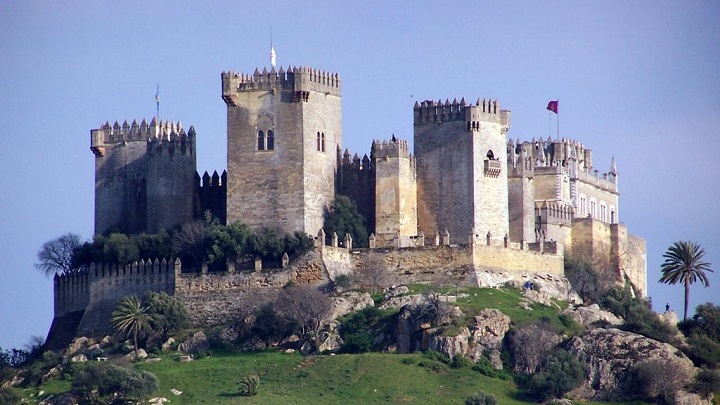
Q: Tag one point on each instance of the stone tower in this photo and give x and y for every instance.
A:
(144, 176)
(283, 130)
(462, 180)
(395, 193)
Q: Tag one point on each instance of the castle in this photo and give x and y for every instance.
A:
(466, 193)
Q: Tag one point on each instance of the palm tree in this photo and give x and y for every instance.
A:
(683, 263)
(130, 318)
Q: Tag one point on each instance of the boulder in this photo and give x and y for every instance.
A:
(168, 344)
(14, 382)
(406, 300)
(141, 354)
(450, 346)
(52, 374)
(395, 291)
(307, 348)
(330, 339)
(487, 334)
(195, 344)
(609, 355)
(93, 351)
(291, 342)
(349, 302)
(79, 358)
(587, 316)
(546, 285)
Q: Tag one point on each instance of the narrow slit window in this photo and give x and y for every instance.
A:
(261, 140)
(270, 140)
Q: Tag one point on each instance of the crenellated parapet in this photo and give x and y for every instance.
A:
(212, 194)
(155, 133)
(301, 80)
(393, 148)
(485, 110)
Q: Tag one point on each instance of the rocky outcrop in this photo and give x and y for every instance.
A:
(349, 302)
(330, 340)
(545, 285)
(195, 344)
(450, 346)
(395, 291)
(587, 316)
(609, 355)
(487, 335)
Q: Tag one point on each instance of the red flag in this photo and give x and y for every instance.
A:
(553, 106)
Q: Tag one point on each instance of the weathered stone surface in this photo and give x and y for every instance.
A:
(195, 344)
(14, 382)
(52, 374)
(79, 358)
(141, 354)
(450, 346)
(609, 355)
(93, 351)
(330, 339)
(168, 344)
(487, 334)
(406, 300)
(587, 316)
(395, 291)
(349, 302)
(545, 285)
(291, 342)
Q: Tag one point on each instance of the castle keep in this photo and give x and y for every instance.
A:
(466, 206)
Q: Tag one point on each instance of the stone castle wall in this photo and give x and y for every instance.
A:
(285, 183)
(395, 192)
(144, 176)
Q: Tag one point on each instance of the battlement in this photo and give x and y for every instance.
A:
(553, 210)
(162, 131)
(301, 80)
(393, 148)
(485, 110)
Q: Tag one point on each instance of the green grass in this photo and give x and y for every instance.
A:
(347, 379)
(294, 379)
(504, 299)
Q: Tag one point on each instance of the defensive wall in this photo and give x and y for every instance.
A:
(214, 298)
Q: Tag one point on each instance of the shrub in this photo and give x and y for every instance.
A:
(703, 350)
(460, 361)
(358, 329)
(656, 380)
(102, 381)
(481, 398)
(249, 385)
(562, 374)
(484, 367)
(343, 281)
(9, 396)
(706, 382)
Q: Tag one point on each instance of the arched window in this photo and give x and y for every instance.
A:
(322, 142)
(270, 140)
(261, 140)
(491, 155)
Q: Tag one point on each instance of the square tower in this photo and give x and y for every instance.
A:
(461, 179)
(283, 130)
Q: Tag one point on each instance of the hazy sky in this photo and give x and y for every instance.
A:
(636, 80)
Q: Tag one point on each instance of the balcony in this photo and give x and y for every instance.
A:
(492, 167)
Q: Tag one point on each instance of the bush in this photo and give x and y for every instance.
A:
(703, 350)
(460, 361)
(706, 382)
(249, 385)
(484, 367)
(343, 281)
(102, 381)
(481, 398)
(9, 396)
(562, 374)
(638, 316)
(656, 380)
(358, 329)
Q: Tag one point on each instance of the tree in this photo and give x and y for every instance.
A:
(342, 217)
(166, 313)
(190, 241)
(684, 263)
(373, 273)
(562, 374)
(307, 305)
(130, 318)
(56, 256)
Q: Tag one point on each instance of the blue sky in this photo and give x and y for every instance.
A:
(636, 80)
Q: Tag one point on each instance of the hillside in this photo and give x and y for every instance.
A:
(386, 376)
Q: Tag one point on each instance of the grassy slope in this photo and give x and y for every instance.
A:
(346, 379)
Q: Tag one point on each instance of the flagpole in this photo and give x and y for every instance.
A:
(157, 101)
